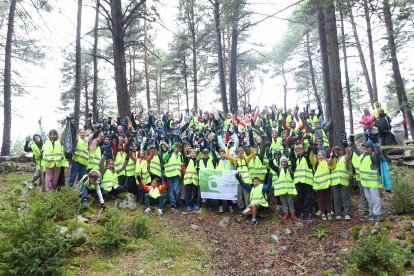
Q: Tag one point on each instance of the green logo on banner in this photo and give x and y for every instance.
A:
(209, 181)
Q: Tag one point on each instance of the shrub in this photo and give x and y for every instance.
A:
(375, 254)
(403, 191)
(113, 231)
(320, 232)
(31, 243)
(140, 228)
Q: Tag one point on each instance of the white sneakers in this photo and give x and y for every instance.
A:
(148, 210)
(160, 213)
(221, 209)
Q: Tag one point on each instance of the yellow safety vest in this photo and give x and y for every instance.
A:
(109, 180)
(277, 145)
(191, 174)
(119, 161)
(257, 169)
(154, 192)
(141, 170)
(220, 165)
(81, 152)
(210, 164)
(94, 158)
(243, 170)
(284, 185)
(155, 166)
(313, 119)
(369, 177)
(37, 154)
(303, 174)
(173, 166)
(130, 167)
(257, 197)
(355, 163)
(322, 177)
(324, 137)
(340, 175)
(273, 173)
(53, 156)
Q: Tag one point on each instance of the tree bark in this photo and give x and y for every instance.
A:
(146, 65)
(399, 83)
(312, 71)
(86, 87)
(194, 53)
(185, 81)
(5, 147)
(361, 57)
(78, 66)
(371, 52)
(325, 64)
(284, 87)
(337, 100)
(348, 89)
(118, 46)
(95, 65)
(233, 71)
(220, 62)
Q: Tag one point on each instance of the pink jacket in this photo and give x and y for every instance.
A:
(367, 120)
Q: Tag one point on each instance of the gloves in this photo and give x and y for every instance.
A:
(103, 206)
(238, 176)
(352, 139)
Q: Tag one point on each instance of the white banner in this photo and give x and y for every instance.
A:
(217, 184)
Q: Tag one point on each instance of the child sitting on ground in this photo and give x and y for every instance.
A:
(154, 195)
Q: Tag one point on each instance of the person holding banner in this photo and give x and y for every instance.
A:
(258, 197)
(173, 170)
(241, 164)
(225, 165)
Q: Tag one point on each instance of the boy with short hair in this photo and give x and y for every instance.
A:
(90, 183)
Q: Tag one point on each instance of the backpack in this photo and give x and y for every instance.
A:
(385, 174)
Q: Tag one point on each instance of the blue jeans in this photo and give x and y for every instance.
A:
(77, 169)
(174, 190)
(152, 201)
(85, 191)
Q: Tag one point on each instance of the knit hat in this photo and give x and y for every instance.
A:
(283, 159)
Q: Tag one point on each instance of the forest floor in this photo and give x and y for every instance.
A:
(195, 243)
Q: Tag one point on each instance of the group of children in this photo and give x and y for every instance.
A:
(266, 156)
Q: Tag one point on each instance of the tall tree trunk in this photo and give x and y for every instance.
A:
(5, 146)
(348, 89)
(193, 34)
(146, 65)
(118, 46)
(95, 65)
(361, 57)
(86, 87)
(400, 90)
(337, 99)
(284, 87)
(312, 71)
(220, 62)
(78, 66)
(233, 71)
(325, 64)
(185, 76)
(371, 52)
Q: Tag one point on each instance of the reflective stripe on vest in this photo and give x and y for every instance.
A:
(155, 166)
(173, 166)
(154, 192)
(257, 169)
(220, 165)
(257, 197)
(81, 152)
(284, 184)
(141, 170)
(191, 175)
(355, 163)
(130, 167)
(340, 174)
(94, 159)
(52, 156)
(369, 177)
(209, 164)
(109, 181)
(322, 177)
(303, 174)
(277, 145)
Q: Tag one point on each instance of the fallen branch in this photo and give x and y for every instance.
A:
(99, 216)
(304, 269)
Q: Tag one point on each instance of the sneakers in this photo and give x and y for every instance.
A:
(378, 218)
(147, 211)
(329, 216)
(188, 208)
(160, 213)
(301, 216)
(285, 216)
(254, 223)
(84, 204)
(339, 217)
(371, 218)
(221, 210)
(294, 217)
(310, 218)
(29, 185)
(323, 217)
(231, 209)
(347, 217)
(197, 206)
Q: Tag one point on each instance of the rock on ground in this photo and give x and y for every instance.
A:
(127, 202)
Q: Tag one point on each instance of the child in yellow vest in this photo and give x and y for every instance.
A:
(155, 195)
(191, 183)
(340, 184)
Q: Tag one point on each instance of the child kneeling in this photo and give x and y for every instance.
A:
(258, 197)
(154, 195)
